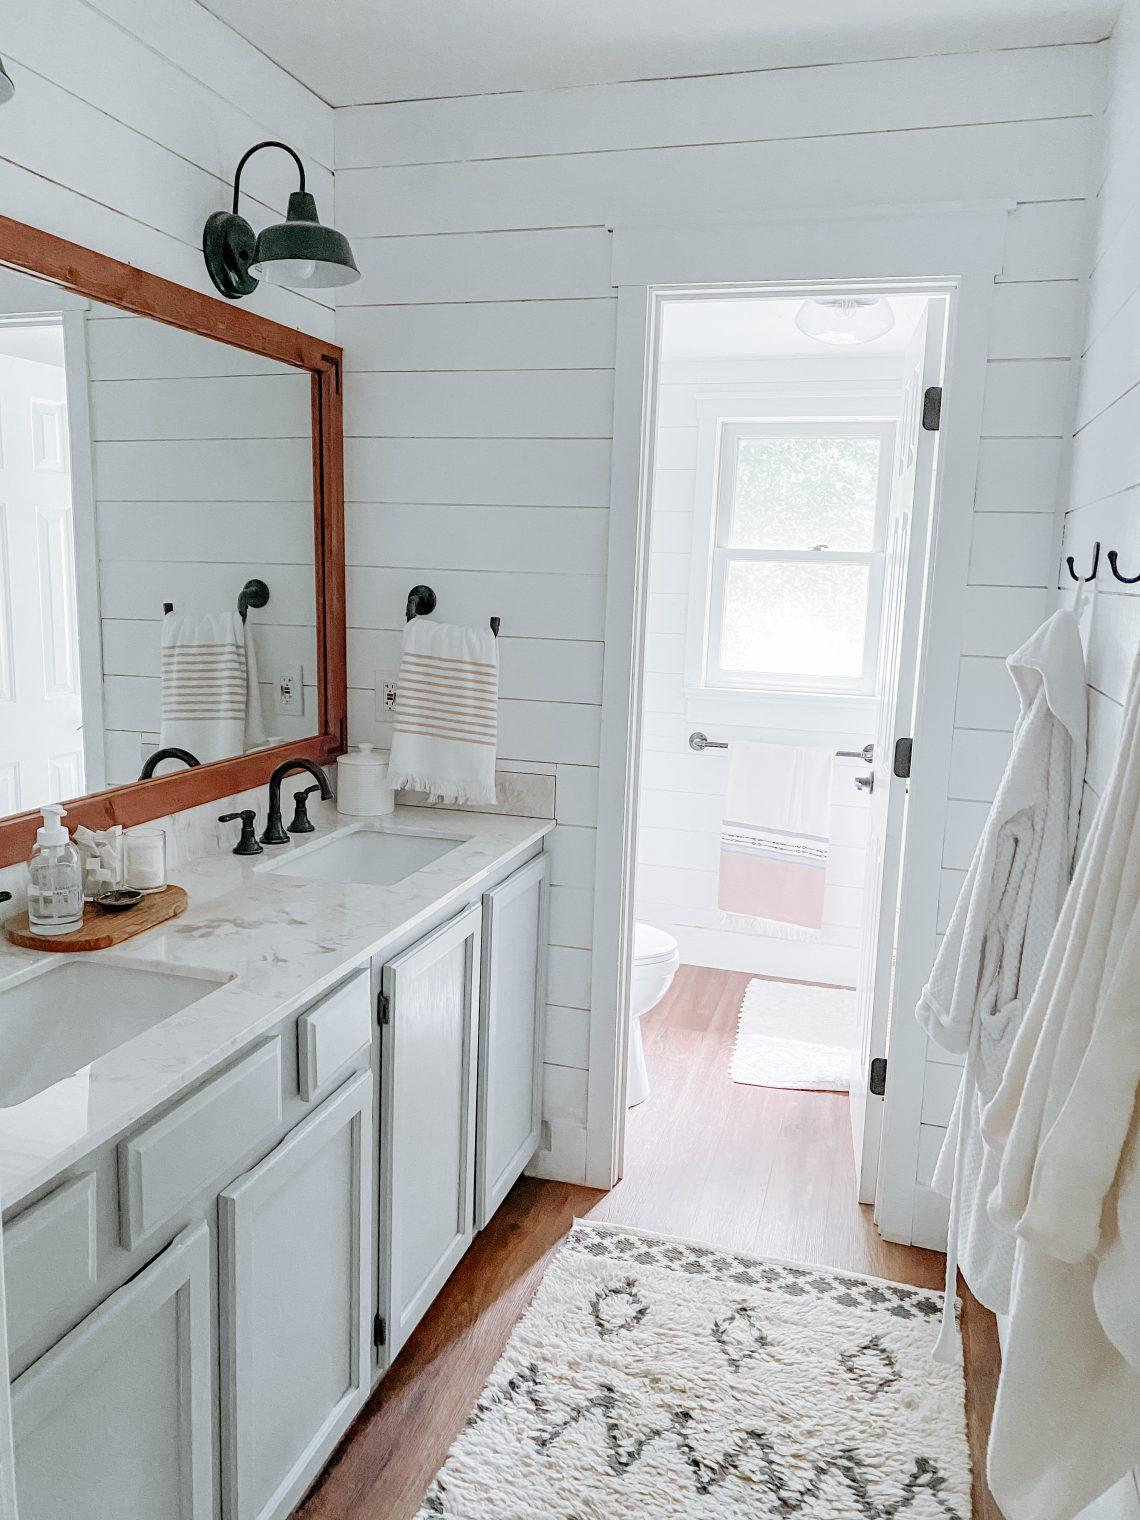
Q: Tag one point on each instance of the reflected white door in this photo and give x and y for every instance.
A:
(906, 539)
(41, 721)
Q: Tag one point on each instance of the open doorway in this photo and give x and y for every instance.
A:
(791, 446)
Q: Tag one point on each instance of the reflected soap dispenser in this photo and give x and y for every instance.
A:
(55, 878)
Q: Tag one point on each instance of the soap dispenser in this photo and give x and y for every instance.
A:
(55, 878)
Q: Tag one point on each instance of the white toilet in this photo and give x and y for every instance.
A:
(655, 962)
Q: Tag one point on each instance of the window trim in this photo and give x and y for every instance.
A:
(713, 493)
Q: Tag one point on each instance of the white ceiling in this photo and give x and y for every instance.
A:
(737, 328)
(355, 51)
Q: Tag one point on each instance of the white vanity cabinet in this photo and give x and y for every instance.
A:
(429, 1026)
(512, 1024)
(295, 1295)
(116, 1421)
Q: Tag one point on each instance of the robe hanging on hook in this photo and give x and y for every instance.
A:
(1091, 576)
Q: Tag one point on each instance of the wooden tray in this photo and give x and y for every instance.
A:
(100, 929)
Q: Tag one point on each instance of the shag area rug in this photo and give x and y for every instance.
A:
(655, 1379)
(791, 1035)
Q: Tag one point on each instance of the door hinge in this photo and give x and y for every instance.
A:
(932, 408)
(878, 1080)
(904, 749)
(383, 1008)
(379, 1331)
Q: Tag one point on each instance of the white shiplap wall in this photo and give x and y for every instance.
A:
(480, 347)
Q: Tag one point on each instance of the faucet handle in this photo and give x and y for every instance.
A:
(302, 823)
(247, 844)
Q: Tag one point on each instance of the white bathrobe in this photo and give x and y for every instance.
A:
(995, 946)
(1067, 1419)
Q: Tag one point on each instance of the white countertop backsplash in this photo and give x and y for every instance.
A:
(283, 940)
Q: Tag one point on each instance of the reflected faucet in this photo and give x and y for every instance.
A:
(274, 828)
(172, 753)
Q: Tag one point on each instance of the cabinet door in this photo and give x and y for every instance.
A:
(512, 1019)
(116, 1421)
(427, 1120)
(295, 1292)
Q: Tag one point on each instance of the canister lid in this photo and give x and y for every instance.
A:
(365, 754)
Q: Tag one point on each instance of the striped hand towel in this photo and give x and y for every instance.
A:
(446, 713)
(205, 691)
(775, 837)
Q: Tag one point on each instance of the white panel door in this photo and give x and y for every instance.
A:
(512, 1019)
(427, 1120)
(901, 619)
(116, 1421)
(40, 708)
(295, 1294)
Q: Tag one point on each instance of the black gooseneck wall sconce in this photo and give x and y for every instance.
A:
(298, 252)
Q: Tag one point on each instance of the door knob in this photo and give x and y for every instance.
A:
(865, 783)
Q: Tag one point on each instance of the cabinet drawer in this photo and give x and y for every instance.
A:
(201, 1141)
(49, 1260)
(329, 1035)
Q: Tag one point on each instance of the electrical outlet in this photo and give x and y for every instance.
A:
(289, 693)
(385, 694)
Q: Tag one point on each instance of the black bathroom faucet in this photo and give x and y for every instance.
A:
(170, 753)
(274, 828)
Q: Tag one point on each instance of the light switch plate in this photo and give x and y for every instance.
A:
(289, 693)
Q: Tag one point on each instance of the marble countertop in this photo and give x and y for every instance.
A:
(281, 939)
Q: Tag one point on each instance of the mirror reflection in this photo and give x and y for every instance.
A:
(157, 584)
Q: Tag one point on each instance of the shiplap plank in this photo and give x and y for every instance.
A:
(134, 647)
(1046, 240)
(526, 538)
(479, 335)
(256, 406)
(241, 531)
(122, 347)
(863, 97)
(1018, 475)
(997, 619)
(977, 761)
(1106, 451)
(1110, 365)
(479, 471)
(482, 404)
(136, 589)
(1113, 639)
(204, 470)
(1012, 549)
(569, 670)
(1026, 398)
(1106, 717)
(1035, 320)
(554, 263)
(986, 697)
(1030, 160)
(548, 606)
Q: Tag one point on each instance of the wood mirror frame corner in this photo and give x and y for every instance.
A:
(107, 280)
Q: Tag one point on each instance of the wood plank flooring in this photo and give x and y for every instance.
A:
(757, 1169)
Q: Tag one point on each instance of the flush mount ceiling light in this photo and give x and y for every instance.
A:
(844, 320)
(297, 252)
(7, 88)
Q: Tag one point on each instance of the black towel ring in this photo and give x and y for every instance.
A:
(1129, 580)
(422, 602)
(1095, 564)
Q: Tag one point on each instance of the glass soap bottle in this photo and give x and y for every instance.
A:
(55, 878)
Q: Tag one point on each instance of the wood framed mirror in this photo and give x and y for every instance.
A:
(158, 450)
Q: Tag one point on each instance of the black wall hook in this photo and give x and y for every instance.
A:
(1095, 564)
(1129, 580)
(422, 601)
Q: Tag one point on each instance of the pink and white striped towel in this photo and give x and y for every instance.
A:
(446, 730)
(776, 833)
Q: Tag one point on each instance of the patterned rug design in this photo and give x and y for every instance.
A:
(793, 1035)
(655, 1379)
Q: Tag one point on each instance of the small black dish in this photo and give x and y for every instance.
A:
(119, 899)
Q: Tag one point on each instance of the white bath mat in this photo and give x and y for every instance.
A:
(795, 1036)
(656, 1379)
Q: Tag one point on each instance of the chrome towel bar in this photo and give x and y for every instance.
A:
(699, 742)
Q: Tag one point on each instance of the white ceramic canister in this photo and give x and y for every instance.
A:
(362, 789)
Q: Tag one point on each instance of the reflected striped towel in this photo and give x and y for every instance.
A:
(206, 696)
(446, 713)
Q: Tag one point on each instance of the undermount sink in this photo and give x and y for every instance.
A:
(57, 1020)
(365, 857)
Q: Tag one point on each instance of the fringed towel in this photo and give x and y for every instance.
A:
(446, 713)
(209, 703)
(776, 835)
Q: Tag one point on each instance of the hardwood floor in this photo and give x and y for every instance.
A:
(758, 1169)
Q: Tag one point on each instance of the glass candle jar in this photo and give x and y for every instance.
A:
(146, 860)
